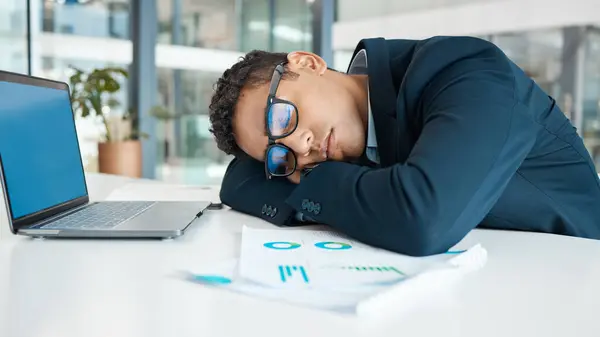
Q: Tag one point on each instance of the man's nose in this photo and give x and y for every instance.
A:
(301, 142)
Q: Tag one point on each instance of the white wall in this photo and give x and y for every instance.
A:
(361, 9)
(478, 18)
(72, 47)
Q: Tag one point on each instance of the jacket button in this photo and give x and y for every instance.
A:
(317, 208)
(273, 212)
(264, 209)
(305, 204)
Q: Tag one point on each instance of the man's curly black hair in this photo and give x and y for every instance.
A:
(254, 69)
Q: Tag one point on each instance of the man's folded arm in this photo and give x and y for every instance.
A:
(473, 140)
(246, 189)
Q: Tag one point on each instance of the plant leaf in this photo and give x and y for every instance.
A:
(85, 110)
(121, 71)
(113, 102)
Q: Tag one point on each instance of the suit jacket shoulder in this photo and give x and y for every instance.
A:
(406, 74)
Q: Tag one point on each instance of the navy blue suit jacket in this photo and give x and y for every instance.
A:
(465, 139)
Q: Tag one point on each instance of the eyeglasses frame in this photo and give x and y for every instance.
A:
(271, 100)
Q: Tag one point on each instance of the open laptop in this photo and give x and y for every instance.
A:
(43, 179)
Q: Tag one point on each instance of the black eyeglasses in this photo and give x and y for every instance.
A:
(281, 120)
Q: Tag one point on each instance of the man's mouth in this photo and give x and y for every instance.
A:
(325, 146)
(328, 146)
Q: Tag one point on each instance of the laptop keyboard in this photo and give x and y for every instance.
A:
(105, 215)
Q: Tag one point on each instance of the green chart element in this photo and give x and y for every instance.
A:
(382, 269)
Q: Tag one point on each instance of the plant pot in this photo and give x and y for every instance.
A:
(121, 158)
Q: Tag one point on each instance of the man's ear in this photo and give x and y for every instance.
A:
(307, 61)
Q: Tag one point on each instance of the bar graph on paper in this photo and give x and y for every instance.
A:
(343, 275)
(320, 259)
(286, 273)
(376, 269)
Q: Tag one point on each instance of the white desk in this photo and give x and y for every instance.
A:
(532, 285)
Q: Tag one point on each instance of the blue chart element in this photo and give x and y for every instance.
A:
(381, 269)
(285, 272)
(282, 245)
(212, 279)
(330, 245)
(455, 251)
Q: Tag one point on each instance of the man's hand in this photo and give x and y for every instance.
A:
(295, 177)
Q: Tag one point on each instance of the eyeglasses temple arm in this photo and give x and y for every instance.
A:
(275, 79)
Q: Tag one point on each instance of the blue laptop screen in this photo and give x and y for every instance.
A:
(39, 148)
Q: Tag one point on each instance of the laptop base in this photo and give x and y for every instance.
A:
(164, 220)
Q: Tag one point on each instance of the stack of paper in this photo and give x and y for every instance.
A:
(325, 270)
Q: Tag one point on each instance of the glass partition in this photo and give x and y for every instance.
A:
(201, 23)
(591, 94)
(99, 18)
(13, 36)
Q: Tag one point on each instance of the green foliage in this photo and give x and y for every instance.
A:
(90, 92)
(162, 113)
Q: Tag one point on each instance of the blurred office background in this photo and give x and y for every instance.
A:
(182, 46)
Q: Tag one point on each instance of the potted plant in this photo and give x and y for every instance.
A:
(94, 94)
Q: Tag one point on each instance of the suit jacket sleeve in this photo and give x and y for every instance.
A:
(246, 189)
(473, 139)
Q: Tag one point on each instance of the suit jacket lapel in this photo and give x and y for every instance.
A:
(382, 98)
(395, 136)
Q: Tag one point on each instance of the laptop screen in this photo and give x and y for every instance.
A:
(39, 148)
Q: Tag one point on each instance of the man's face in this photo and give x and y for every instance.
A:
(330, 126)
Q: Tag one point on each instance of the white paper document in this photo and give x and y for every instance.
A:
(326, 270)
(322, 259)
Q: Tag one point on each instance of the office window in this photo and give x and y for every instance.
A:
(87, 35)
(99, 18)
(292, 28)
(202, 23)
(284, 27)
(567, 67)
(13, 36)
(187, 152)
(591, 94)
(255, 25)
(539, 54)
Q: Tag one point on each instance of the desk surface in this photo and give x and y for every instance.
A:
(532, 285)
